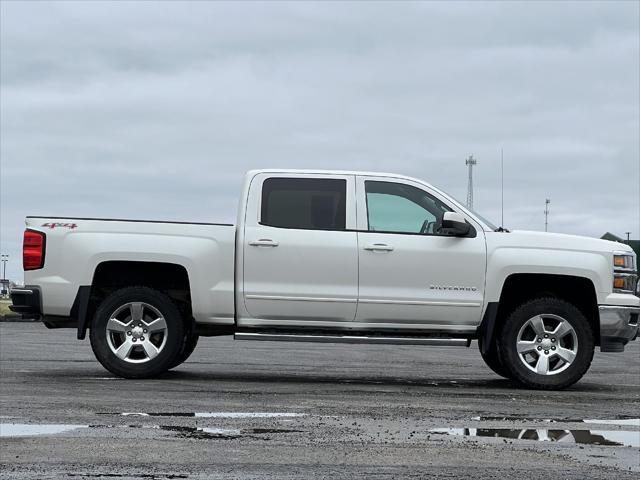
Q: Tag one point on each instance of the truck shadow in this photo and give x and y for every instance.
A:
(380, 381)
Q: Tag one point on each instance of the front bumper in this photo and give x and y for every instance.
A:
(618, 325)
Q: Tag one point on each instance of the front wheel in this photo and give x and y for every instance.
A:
(546, 343)
(137, 332)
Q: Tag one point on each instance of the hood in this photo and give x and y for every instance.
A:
(557, 241)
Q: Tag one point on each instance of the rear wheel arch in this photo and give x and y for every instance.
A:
(171, 279)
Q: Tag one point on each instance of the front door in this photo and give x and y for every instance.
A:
(300, 254)
(413, 275)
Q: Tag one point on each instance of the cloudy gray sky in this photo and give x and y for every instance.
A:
(155, 110)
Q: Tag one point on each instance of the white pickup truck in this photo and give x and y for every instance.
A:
(331, 256)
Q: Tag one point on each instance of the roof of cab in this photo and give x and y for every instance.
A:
(335, 172)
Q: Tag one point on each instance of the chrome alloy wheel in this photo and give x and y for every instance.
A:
(136, 332)
(547, 344)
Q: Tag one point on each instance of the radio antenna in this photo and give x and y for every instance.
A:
(502, 186)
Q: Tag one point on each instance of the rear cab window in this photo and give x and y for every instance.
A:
(304, 203)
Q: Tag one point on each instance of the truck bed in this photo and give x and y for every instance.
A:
(75, 247)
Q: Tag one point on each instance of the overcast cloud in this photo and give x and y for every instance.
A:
(155, 110)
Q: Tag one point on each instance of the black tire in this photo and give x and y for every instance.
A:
(102, 342)
(568, 374)
(492, 358)
(188, 346)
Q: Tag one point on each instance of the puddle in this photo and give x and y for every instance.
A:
(25, 429)
(203, 433)
(259, 431)
(153, 476)
(622, 421)
(221, 433)
(210, 414)
(634, 422)
(248, 414)
(586, 437)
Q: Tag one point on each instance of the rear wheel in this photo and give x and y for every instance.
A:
(546, 343)
(137, 332)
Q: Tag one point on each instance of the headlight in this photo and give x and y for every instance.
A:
(623, 262)
(625, 278)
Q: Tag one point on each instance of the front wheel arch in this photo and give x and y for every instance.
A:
(520, 288)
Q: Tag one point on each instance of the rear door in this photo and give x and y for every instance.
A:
(412, 276)
(300, 259)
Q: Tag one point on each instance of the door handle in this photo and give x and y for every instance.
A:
(379, 247)
(263, 242)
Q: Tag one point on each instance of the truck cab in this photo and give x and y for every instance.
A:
(356, 252)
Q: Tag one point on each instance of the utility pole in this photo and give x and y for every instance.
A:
(546, 214)
(628, 235)
(5, 259)
(470, 162)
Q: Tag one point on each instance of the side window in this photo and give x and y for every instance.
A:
(304, 203)
(400, 208)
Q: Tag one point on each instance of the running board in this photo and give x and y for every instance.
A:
(292, 337)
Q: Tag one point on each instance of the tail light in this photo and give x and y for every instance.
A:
(33, 250)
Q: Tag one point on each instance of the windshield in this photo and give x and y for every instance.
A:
(488, 223)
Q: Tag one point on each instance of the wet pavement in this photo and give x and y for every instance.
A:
(257, 410)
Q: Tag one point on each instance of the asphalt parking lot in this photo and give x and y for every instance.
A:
(291, 410)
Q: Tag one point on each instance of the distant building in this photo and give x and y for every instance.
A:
(635, 244)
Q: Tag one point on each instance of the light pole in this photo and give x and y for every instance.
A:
(5, 259)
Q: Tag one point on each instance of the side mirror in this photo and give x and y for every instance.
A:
(455, 225)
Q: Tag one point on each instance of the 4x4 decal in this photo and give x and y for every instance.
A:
(62, 225)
